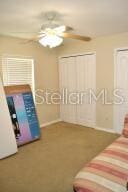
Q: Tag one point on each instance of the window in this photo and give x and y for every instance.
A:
(17, 71)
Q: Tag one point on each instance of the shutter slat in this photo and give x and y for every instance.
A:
(17, 71)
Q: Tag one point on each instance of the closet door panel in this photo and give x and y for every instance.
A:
(71, 88)
(68, 87)
(81, 89)
(63, 86)
(85, 83)
(90, 86)
(77, 77)
(121, 83)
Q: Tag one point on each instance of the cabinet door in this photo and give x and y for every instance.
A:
(86, 81)
(67, 88)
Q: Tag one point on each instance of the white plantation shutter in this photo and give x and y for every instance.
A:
(18, 71)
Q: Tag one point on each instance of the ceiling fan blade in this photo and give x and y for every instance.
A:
(41, 35)
(29, 40)
(74, 36)
(69, 28)
(36, 38)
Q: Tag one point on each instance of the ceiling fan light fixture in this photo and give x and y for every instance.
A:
(51, 41)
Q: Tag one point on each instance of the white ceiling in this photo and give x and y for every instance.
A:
(87, 17)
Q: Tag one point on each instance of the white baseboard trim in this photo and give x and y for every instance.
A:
(105, 129)
(100, 128)
(50, 123)
(94, 127)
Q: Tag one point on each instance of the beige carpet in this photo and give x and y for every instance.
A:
(50, 164)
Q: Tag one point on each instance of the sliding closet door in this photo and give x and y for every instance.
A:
(86, 81)
(67, 87)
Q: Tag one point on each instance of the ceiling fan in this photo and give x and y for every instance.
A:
(53, 33)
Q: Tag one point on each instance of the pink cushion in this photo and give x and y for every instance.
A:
(107, 172)
(125, 129)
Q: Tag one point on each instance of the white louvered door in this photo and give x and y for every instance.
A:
(77, 75)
